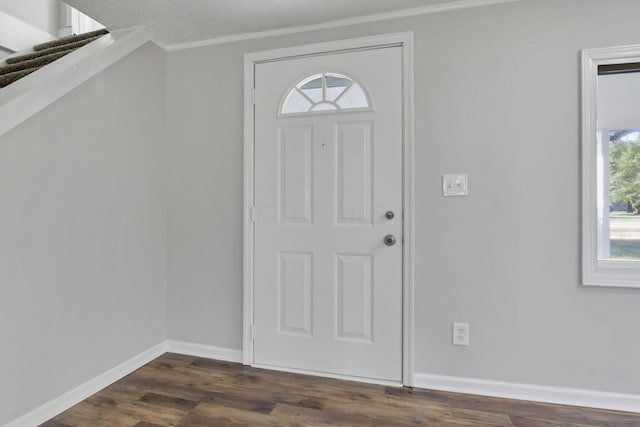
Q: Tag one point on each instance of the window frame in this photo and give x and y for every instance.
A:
(368, 108)
(595, 271)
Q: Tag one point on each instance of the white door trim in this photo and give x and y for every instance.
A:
(250, 60)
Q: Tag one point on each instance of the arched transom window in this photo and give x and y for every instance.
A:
(325, 92)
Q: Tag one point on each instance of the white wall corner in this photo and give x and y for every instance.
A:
(80, 393)
(206, 351)
(67, 400)
(536, 393)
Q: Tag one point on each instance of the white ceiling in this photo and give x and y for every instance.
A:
(180, 21)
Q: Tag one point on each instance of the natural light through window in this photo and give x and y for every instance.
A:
(611, 166)
(619, 165)
(325, 92)
(622, 221)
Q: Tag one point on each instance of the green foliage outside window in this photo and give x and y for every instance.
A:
(624, 163)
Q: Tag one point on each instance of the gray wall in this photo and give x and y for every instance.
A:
(3, 54)
(83, 234)
(496, 96)
(42, 14)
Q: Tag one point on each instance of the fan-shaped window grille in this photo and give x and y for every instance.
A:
(325, 92)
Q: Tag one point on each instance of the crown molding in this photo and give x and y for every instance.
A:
(405, 13)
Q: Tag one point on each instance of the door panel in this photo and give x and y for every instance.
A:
(295, 178)
(295, 287)
(354, 292)
(327, 289)
(354, 169)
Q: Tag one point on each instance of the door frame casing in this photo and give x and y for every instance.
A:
(405, 40)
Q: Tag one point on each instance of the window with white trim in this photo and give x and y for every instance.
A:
(325, 92)
(611, 167)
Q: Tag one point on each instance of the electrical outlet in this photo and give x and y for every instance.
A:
(460, 334)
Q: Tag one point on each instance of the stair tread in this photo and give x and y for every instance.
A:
(34, 63)
(55, 49)
(7, 79)
(70, 39)
(44, 54)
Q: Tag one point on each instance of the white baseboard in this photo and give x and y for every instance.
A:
(78, 394)
(207, 351)
(536, 393)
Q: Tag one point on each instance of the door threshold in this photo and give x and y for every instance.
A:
(366, 380)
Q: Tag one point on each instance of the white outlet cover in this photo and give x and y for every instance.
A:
(461, 334)
(455, 185)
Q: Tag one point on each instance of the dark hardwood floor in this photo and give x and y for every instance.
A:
(185, 391)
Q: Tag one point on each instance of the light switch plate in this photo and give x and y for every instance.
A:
(455, 185)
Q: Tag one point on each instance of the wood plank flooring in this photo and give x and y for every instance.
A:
(184, 391)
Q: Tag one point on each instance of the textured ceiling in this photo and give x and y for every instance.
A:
(180, 21)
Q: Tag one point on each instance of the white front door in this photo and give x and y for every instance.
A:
(328, 189)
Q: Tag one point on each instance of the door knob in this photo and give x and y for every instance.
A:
(389, 240)
(389, 215)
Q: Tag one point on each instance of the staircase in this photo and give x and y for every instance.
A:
(19, 66)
